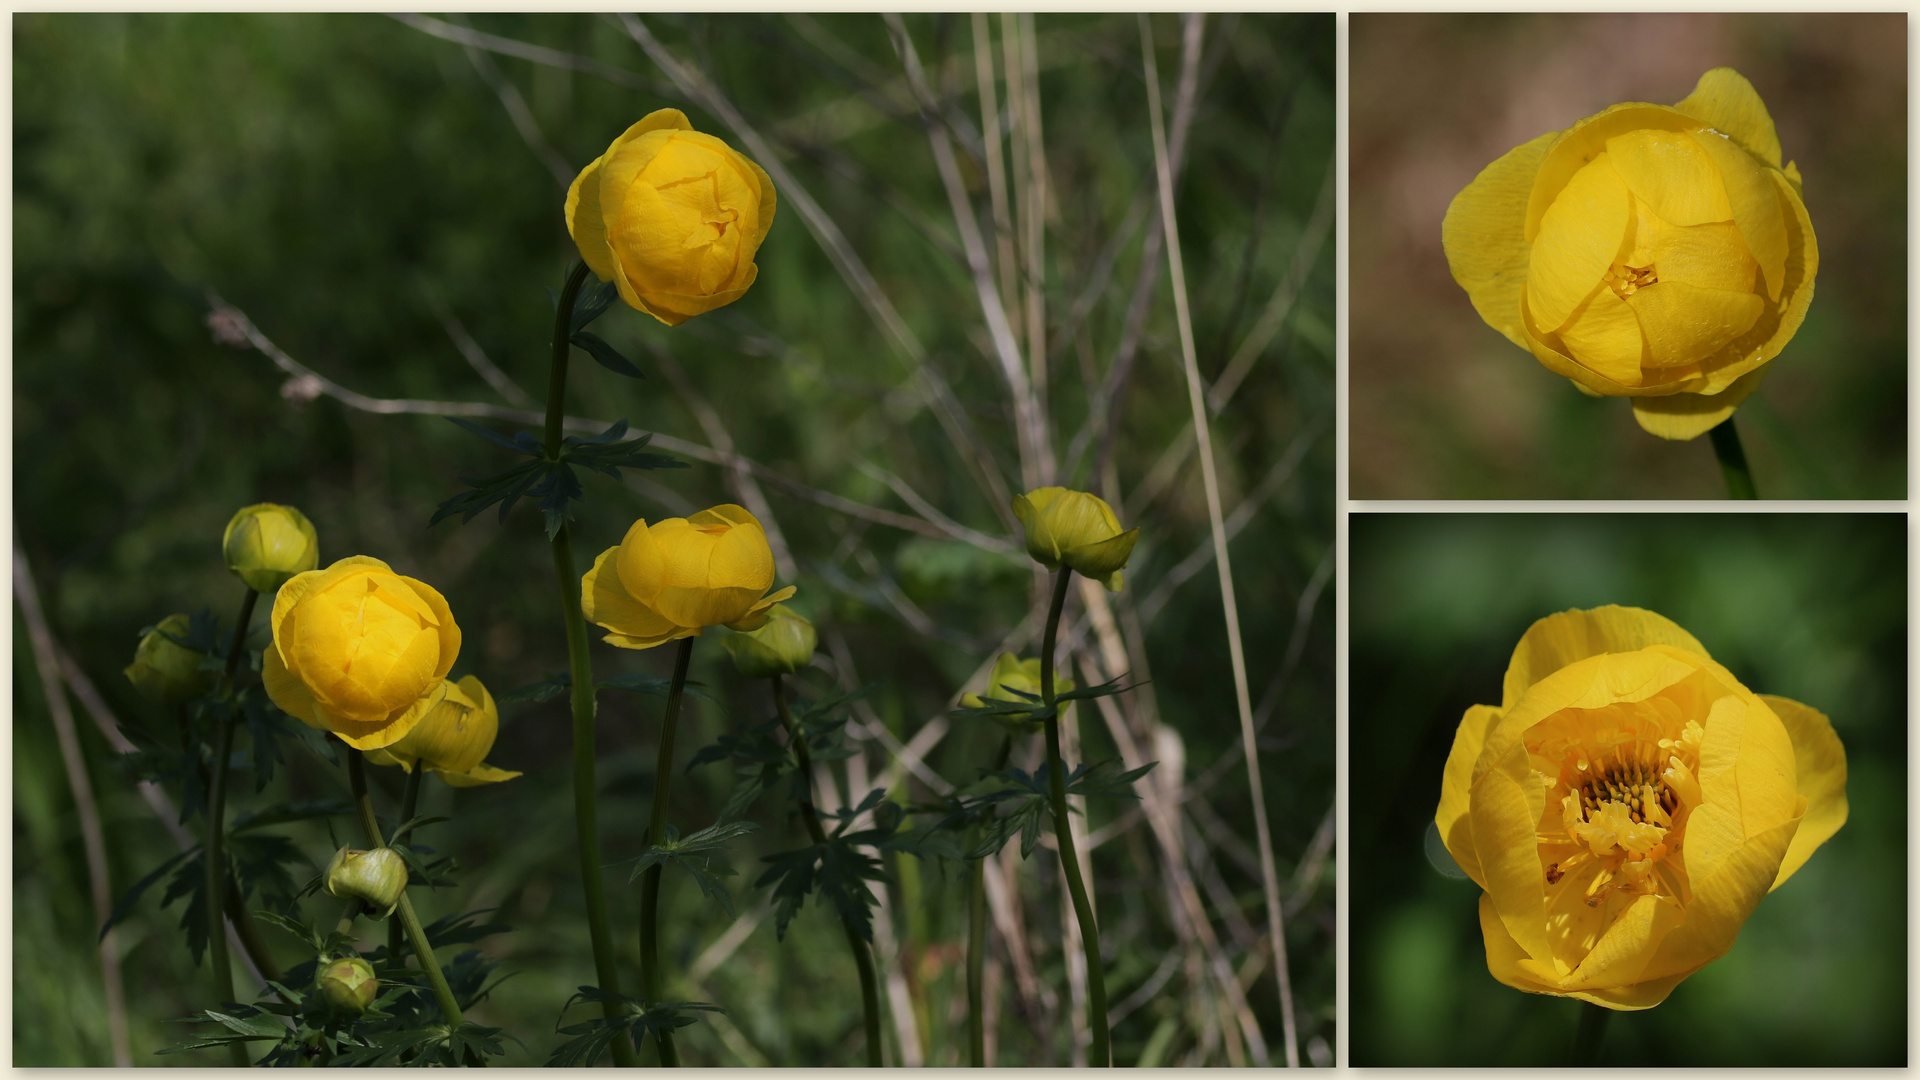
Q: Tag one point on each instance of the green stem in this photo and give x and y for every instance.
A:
(249, 931)
(1733, 460)
(862, 955)
(1592, 1031)
(409, 799)
(215, 855)
(650, 974)
(1099, 1054)
(586, 811)
(422, 948)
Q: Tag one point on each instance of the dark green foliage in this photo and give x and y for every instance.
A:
(550, 480)
(591, 1039)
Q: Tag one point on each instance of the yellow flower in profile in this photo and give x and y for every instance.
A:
(671, 216)
(266, 543)
(1653, 252)
(360, 651)
(166, 671)
(1628, 805)
(673, 578)
(1010, 674)
(1076, 530)
(781, 647)
(452, 740)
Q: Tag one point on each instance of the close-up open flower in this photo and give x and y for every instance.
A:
(360, 651)
(671, 579)
(1661, 253)
(1628, 805)
(1077, 530)
(453, 739)
(672, 216)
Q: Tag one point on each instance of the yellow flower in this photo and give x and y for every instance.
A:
(1077, 530)
(267, 543)
(1627, 806)
(781, 647)
(377, 877)
(166, 671)
(670, 579)
(1010, 673)
(359, 651)
(1651, 252)
(671, 216)
(452, 740)
(348, 984)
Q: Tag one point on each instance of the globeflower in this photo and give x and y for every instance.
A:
(360, 651)
(349, 984)
(781, 647)
(452, 739)
(1628, 805)
(1653, 252)
(671, 216)
(266, 543)
(1076, 530)
(377, 877)
(166, 671)
(671, 579)
(1016, 680)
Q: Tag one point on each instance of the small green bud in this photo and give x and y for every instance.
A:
(378, 877)
(1076, 530)
(1010, 673)
(166, 671)
(349, 984)
(781, 647)
(267, 543)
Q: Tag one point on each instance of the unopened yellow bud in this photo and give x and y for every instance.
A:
(349, 984)
(1076, 530)
(781, 647)
(378, 877)
(166, 671)
(267, 543)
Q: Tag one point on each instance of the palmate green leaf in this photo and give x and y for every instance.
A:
(285, 812)
(702, 854)
(589, 303)
(606, 355)
(558, 683)
(139, 888)
(548, 480)
(591, 1038)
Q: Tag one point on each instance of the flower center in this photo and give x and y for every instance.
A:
(1626, 280)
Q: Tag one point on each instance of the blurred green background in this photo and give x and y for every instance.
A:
(370, 195)
(1806, 606)
(1443, 406)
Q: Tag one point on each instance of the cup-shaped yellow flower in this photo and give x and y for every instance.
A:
(165, 671)
(453, 739)
(1653, 252)
(377, 877)
(671, 216)
(671, 579)
(349, 984)
(1010, 674)
(1627, 806)
(781, 647)
(267, 543)
(360, 651)
(1076, 530)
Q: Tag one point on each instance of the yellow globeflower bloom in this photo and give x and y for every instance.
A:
(267, 543)
(452, 740)
(1627, 806)
(360, 651)
(1077, 530)
(1010, 673)
(671, 216)
(1653, 252)
(670, 579)
(781, 647)
(166, 671)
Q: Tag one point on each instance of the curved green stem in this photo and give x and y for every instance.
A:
(214, 854)
(586, 812)
(862, 955)
(1099, 1054)
(409, 800)
(1592, 1031)
(651, 979)
(1733, 460)
(422, 948)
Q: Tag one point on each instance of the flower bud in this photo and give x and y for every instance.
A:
(377, 877)
(1076, 530)
(349, 984)
(453, 738)
(166, 671)
(781, 647)
(267, 543)
(1010, 673)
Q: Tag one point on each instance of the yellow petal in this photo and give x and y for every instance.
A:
(1567, 637)
(1629, 944)
(757, 615)
(1757, 212)
(724, 514)
(447, 629)
(585, 222)
(1711, 256)
(1672, 174)
(396, 726)
(740, 558)
(769, 202)
(1558, 362)
(1580, 235)
(1721, 900)
(1685, 324)
(1510, 964)
(300, 586)
(1689, 416)
(1726, 102)
(1820, 766)
(1803, 263)
(1456, 786)
(1580, 144)
(1746, 778)
(285, 689)
(1605, 336)
(1504, 810)
(1484, 234)
(605, 602)
(641, 564)
(474, 777)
